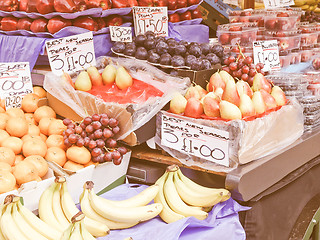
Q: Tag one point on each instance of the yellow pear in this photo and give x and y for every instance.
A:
(109, 74)
(83, 82)
(178, 103)
(123, 78)
(95, 76)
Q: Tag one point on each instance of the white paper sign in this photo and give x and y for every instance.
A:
(267, 52)
(120, 34)
(71, 54)
(277, 3)
(15, 82)
(154, 19)
(194, 139)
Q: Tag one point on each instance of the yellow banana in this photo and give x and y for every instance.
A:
(118, 214)
(9, 228)
(201, 189)
(46, 213)
(167, 214)
(194, 198)
(89, 212)
(85, 233)
(57, 208)
(1, 235)
(24, 226)
(39, 225)
(76, 233)
(175, 202)
(66, 234)
(96, 228)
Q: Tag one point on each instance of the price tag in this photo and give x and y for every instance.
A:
(121, 34)
(154, 19)
(286, 3)
(71, 54)
(267, 52)
(15, 82)
(194, 139)
(277, 3)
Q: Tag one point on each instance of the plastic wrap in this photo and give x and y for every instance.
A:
(249, 140)
(131, 116)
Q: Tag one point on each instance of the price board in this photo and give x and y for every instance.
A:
(120, 34)
(277, 3)
(71, 54)
(15, 82)
(154, 19)
(194, 139)
(267, 52)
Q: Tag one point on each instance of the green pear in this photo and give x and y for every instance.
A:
(83, 82)
(123, 78)
(229, 111)
(95, 76)
(178, 103)
(109, 74)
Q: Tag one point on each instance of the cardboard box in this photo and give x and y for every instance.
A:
(31, 191)
(103, 175)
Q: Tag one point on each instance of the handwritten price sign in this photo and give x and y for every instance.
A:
(154, 19)
(194, 139)
(15, 82)
(120, 34)
(71, 54)
(277, 3)
(267, 52)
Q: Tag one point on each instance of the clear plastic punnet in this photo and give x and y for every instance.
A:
(131, 115)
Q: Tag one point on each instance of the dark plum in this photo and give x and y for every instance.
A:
(205, 64)
(195, 50)
(160, 39)
(177, 61)
(213, 58)
(130, 51)
(180, 50)
(196, 65)
(218, 50)
(119, 47)
(183, 42)
(141, 53)
(171, 48)
(189, 59)
(131, 45)
(162, 48)
(154, 57)
(165, 59)
(140, 39)
(205, 48)
(149, 44)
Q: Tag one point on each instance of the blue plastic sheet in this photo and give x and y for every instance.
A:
(222, 222)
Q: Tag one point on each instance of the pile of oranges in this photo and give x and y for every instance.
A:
(29, 136)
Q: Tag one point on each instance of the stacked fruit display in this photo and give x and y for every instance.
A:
(227, 99)
(55, 24)
(171, 53)
(95, 134)
(181, 197)
(187, 15)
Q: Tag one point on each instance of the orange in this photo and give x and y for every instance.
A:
(33, 130)
(30, 137)
(79, 155)
(40, 164)
(18, 159)
(55, 140)
(5, 167)
(57, 155)
(25, 172)
(72, 166)
(34, 147)
(30, 119)
(17, 127)
(43, 137)
(7, 155)
(29, 103)
(14, 143)
(44, 124)
(3, 135)
(7, 181)
(15, 112)
(39, 91)
(56, 126)
(3, 120)
(44, 111)
(2, 110)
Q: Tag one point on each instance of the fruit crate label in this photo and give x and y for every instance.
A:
(194, 139)
(15, 80)
(121, 34)
(71, 54)
(154, 19)
(267, 52)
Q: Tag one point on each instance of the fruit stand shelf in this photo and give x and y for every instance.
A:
(249, 180)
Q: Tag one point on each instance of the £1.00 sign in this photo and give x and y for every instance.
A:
(71, 54)
(15, 82)
(194, 139)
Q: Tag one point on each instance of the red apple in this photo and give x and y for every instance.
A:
(24, 23)
(132, 3)
(32, 6)
(65, 6)
(9, 5)
(175, 17)
(193, 2)
(45, 6)
(172, 4)
(185, 16)
(81, 5)
(196, 13)
(119, 3)
(57, 23)
(113, 20)
(101, 23)
(160, 3)
(282, 14)
(182, 3)
(105, 4)
(86, 22)
(145, 3)
(224, 38)
(39, 25)
(193, 108)
(270, 24)
(283, 44)
(9, 23)
(23, 5)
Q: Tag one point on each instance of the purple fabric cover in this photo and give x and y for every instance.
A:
(191, 33)
(194, 21)
(222, 222)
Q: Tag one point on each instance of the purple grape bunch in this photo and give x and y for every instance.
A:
(96, 133)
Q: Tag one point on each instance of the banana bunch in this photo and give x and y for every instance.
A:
(19, 223)
(181, 197)
(309, 5)
(77, 229)
(57, 209)
(119, 214)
